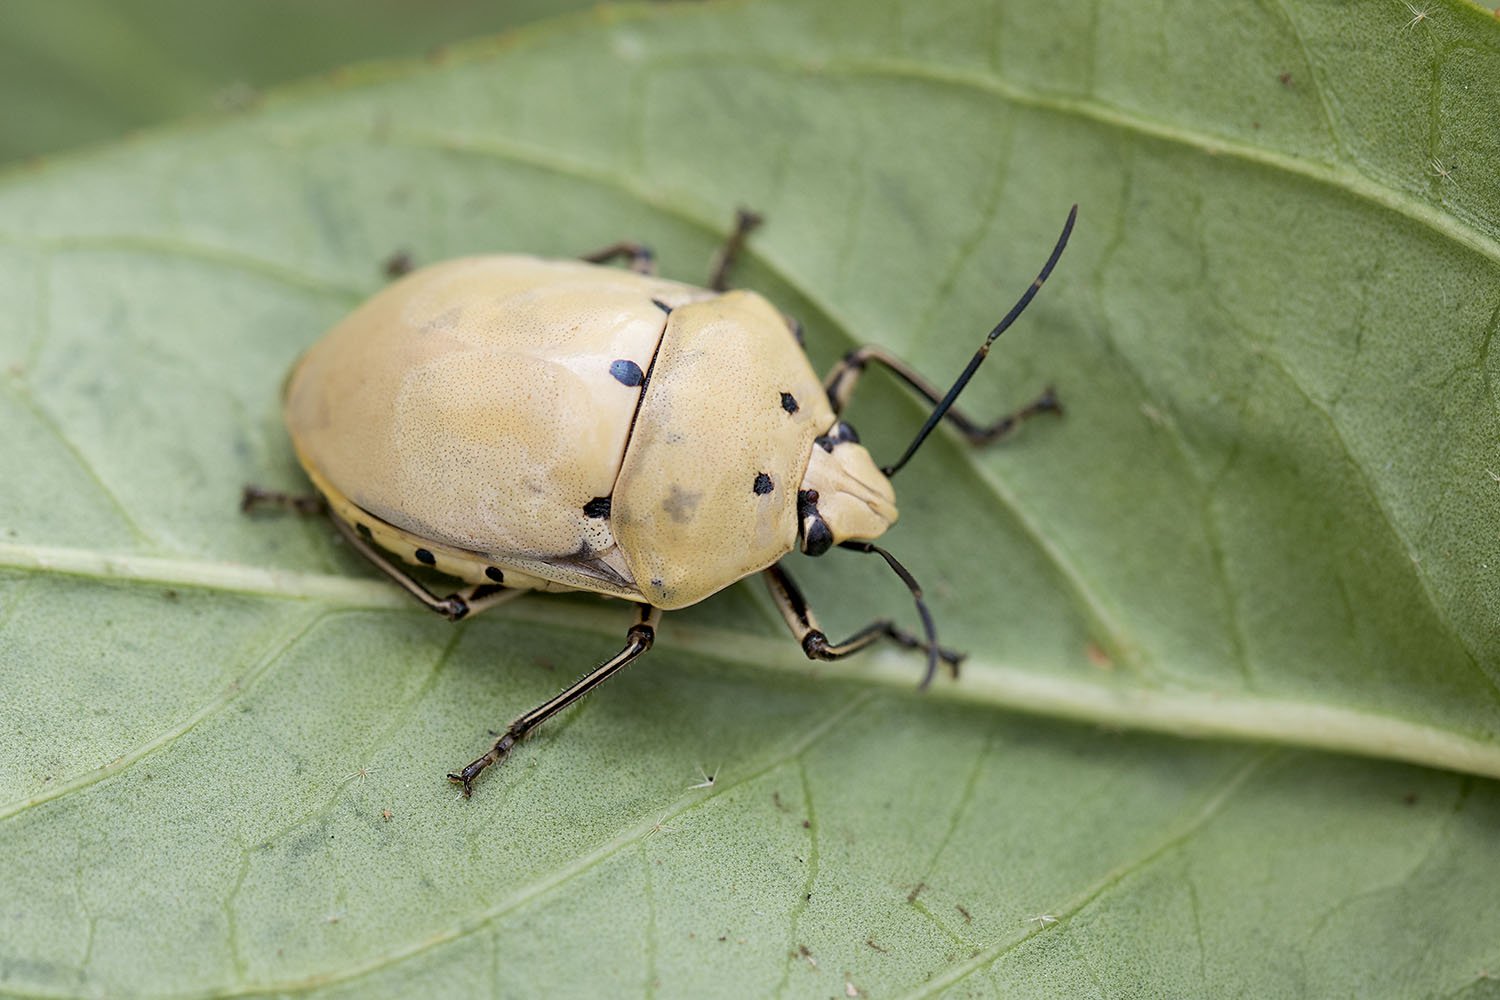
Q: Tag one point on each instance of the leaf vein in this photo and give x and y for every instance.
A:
(1419, 571)
(228, 694)
(1318, 87)
(46, 420)
(150, 244)
(1179, 710)
(1086, 896)
(535, 890)
(1339, 176)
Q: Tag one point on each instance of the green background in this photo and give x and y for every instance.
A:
(1266, 520)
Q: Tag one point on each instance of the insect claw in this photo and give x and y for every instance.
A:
(494, 755)
(746, 220)
(253, 498)
(953, 658)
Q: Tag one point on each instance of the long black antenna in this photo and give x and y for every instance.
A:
(984, 349)
(916, 593)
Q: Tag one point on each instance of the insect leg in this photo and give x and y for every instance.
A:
(254, 497)
(642, 257)
(845, 375)
(744, 221)
(453, 607)
(795, 325)
(639, 639)
(814, 642)
(483, 596)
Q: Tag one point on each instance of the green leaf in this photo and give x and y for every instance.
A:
(1268, 513)
(83, 71)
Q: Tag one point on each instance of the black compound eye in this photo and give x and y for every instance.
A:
(817, 538)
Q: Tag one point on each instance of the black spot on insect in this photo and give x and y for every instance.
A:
(364, 530)
(627, 372)
(656, 581)
(597, 507)
(425, 558)
(789, 402)
(658, 303)
(494, 574)
(484, 590)
(763, 484)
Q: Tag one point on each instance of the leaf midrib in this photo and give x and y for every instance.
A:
(1178, 710)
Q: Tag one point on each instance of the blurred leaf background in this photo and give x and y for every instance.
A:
(1268, 514)
(79, 72)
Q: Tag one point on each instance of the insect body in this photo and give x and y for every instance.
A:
(528, 424)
